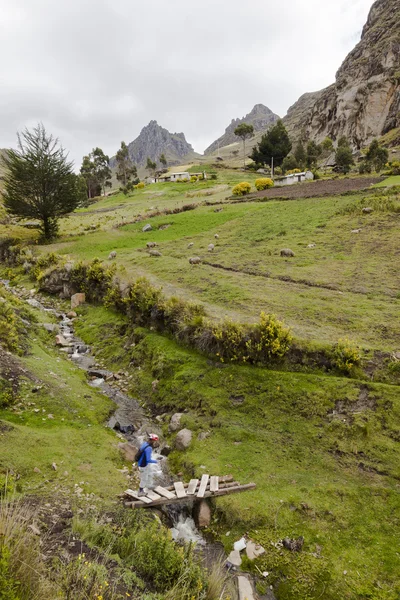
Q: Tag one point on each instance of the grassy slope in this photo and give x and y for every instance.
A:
(332, 478)
(390, 181)
(76, 439)
(360, 267)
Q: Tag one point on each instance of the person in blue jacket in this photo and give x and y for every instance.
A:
(146, 461)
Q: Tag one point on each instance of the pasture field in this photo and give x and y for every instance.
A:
(321, 449)
(346, 285)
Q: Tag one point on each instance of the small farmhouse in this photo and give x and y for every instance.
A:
(183, 176)
(293, 178)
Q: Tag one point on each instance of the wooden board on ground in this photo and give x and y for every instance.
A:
(179, 489)
(153, 496)
(165, 493)
(203, 486)
(192, 487)
(136, 496)
(214, 484)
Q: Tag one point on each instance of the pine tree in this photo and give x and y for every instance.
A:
(273, 145)
(39, 181)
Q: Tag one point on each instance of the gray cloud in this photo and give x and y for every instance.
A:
(96, 71)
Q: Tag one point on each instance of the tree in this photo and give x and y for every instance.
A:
(377, 156)
(300, 155)
(344, 155)
(274, 144)
(327, 146)
(39, 181)
(313, 154)
(163, 160)
(151, 166)
(89, 174)
(102, 168)
(244, 131)
(126, 170)
(289, 163)
(81, 190)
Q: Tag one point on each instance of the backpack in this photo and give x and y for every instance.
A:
(139, 453)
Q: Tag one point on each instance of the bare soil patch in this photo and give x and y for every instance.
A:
(315, 189)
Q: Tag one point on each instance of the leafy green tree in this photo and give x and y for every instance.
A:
(300, 155)
(102, 168)
(81, 190)
(126, 170)
(377, 156)
(313, 154)
(244, 131)
(327, 146)
(151, 166)
(39, 181)
(344, 155)
(163, 160)
(289, 163)
(88, 172)
(274, 144)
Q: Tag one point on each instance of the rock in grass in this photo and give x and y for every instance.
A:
(183, 439)
(147, 228)
(77, 299)
(367, 210)
(175, 422)
(112, 255)
(211, 247)
(155, 253)
(195, 260)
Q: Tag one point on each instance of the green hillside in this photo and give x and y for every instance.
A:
(320, 442)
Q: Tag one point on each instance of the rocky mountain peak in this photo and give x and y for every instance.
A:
(364, 102)
(261, 117)
(153, 141)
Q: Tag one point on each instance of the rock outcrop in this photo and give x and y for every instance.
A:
(261, 117)
(153, 141)
(364, 103)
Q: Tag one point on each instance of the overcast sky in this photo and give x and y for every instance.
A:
(96, 71)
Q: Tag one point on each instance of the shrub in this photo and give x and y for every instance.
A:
(193, 179)
(140, 185)
(293, 171)
(316, 175)
(142, 300)
(213, 176)
(241, 189)
(394, 168)
(264, 183)
(278, 171)
(346, 356)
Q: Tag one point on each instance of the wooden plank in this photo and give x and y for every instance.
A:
(179, 489)
(165, 493)
(203, 486)
(214, 484)
(231, 490)
(136, 496)
(153, 496)
(192, 487)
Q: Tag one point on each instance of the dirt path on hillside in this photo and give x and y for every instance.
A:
(315, 189)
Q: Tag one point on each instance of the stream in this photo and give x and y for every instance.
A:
(129, 418)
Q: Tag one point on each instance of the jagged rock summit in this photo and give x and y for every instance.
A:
(364, 103)
(261, 117)
(153, 141)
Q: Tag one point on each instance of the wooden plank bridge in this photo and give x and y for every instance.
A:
(196, 489)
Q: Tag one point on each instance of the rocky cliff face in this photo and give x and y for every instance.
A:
(364, 103)
(153, 141)
(261, 117)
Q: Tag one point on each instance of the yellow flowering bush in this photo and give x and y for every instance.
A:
(139, 186)
(346, 356)
(264, 183)
(242, 189)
